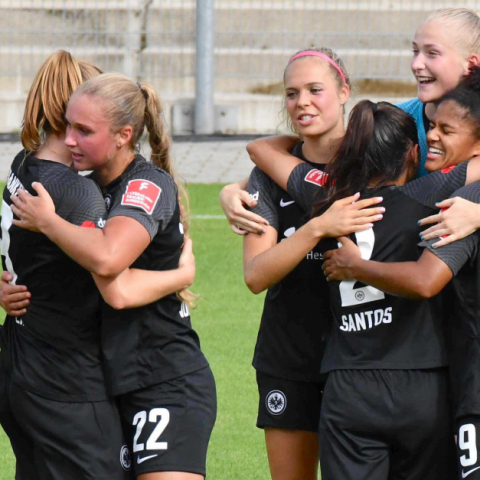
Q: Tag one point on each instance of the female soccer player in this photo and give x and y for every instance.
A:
(154, 365)
(288, 352)
(446, 46)
(386, 355)
(53, 352)
(454, 138)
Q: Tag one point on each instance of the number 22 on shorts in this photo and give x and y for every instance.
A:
(141, 418)
(355, 296)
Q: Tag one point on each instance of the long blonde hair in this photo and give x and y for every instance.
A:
(138, 105)
(52, 87)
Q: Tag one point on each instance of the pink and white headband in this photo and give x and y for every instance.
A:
(314, 53)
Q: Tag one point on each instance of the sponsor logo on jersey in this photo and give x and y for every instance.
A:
(141, 460)
(357, 322)
(254, 196)
(143, 194)
(448, 169)
(125, 458)
(88, 224)
(14, 184)
(101, 223)
(286, 204)
(313, 255)
(466, 474)
(276, 402)
(317, 177)
(19, 321)
(108, 201)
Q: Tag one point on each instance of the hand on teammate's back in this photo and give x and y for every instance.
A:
(34, 211)
(13, 298)
(348, 215)
(187, 261)
(338, 262)
(457, 219)
(233, 201)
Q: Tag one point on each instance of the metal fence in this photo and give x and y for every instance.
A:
(154, 40)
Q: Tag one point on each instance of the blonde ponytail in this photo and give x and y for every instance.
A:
(138, 105)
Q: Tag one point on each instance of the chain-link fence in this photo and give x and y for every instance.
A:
(154, 40)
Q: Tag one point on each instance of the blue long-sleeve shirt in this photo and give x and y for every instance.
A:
(415, 108)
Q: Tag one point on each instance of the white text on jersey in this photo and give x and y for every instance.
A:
(14, 184)
(357, 322)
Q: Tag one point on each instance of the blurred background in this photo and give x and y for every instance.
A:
(229, 54)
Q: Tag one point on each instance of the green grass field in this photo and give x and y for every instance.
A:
(227, 320)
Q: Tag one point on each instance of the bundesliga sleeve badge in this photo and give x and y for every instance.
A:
(316, 177)
(143, 194)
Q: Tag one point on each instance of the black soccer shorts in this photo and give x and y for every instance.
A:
(22, 444)
(170, 423)
(73, 440)
(468, 447)
(387, 424)
(287, 404)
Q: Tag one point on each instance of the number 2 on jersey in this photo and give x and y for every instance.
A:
(141, 418)
(355, 296)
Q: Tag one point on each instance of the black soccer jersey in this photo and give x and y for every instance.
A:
(155, 343)
(463, 310)
(296, 316)
(374, 330)
(55, 346)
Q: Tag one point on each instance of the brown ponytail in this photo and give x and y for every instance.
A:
(376, 146)
(52, 87)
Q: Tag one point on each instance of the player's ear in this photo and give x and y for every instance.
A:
(124, 136)
(412, 161)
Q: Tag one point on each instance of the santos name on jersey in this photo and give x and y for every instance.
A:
(375, 330)
(55, 346)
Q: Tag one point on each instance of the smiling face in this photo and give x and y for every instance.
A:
(314, 100)
(452, 137)
(88, 135)
(437, 65)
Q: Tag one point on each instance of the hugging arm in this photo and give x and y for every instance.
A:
(267, 262)
(418, 280)
(107, 253)
(234, 199)
(272, 156)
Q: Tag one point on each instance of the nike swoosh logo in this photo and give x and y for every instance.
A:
(464, 475)
(285, 204)
(140, 460)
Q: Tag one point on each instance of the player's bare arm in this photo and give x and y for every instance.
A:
(233, 199)
(106, 253)
(13, 298)
(458, 217)
(272, 156)
(266, 262)
(418, 280)
(134, 288)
